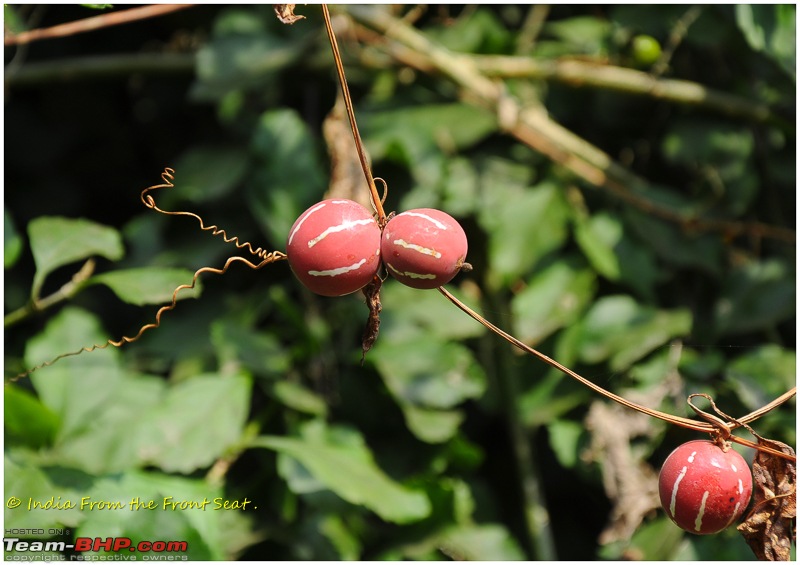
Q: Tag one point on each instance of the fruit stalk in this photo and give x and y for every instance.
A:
(362, 154)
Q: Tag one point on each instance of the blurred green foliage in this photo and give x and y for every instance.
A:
(445, 443)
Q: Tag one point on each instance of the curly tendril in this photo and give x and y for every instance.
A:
(266, 259)
(168, 176)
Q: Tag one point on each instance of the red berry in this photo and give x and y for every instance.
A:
(423, 248)
(704, 489)
(334, 247)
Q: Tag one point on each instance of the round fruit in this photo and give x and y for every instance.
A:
(334, 247)
(646, 50)
(703, 489)
(423, 248)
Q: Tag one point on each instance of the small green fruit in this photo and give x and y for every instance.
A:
(646, 50)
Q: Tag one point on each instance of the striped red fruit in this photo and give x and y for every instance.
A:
(334, 247)
(704, 489)
(423, 248)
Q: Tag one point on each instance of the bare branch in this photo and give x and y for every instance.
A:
(93, 23)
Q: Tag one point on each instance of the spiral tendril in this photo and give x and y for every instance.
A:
(168, 176)
(266, 259)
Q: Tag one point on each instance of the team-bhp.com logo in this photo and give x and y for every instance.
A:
(151, 550)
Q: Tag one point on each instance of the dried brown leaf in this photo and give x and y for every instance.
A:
(372, 292)
(631, 484)
(769, 529)
(285, 13)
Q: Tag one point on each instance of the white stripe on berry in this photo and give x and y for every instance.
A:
(434, 221)
(346, 225)
(411, 275)
(675, 488)
(733, 516)
(698, 522)
(691, 457)
(338, 271)
(300, 223)
(414, 247)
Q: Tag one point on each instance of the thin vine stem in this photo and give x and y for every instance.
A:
(348, 103)
(671, 418)
(265, 260)
(93, 23)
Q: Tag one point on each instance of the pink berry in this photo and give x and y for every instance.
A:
(334, 247)
(704, 489)
(423, 248)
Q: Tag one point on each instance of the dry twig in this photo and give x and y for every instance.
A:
(93, 23)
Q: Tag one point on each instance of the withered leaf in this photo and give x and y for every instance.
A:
(372, 292)
(769, 529)
(285, 13)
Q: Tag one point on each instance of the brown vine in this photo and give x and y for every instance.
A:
(468, 77)
(267, 257)
(168, 176)
(672, 419)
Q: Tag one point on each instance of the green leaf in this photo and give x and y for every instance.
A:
(585, 34)
(199, 524)
(26, 480)
(481, 32)
(298, 397)
(481, 542)
(436, 377)
(771, 29)
(432, 425)
(614, 254)
(205, 416)
(111, 438)
(338, 458)
(345, 541)
(148, 285)
(700, 251)
(245, 62)
(523, 226)
(288, 177)
(76, 387)
(426, 371)
(621, 331)
(206, 174)
(553, 299)
(12, 240)
(57, 241)
(12, 21)
(564, 440)
(477, 542)
(239, 343)
(658, 540)
(718, 155)
(597, 236)
(419, 130)
(550, 398)
(426, 311)
(27, 420)
(762, 375)
(755, 297)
